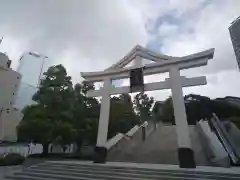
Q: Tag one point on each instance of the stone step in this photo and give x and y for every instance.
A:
(160, 148)
(97, 168)
(26, 177)
(128, 172)
(87, 171)
(22, 177)
(61, 176)
(133, 174)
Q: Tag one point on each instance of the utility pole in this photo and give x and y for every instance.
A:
(39, 77)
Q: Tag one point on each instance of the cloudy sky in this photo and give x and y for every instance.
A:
(90, 35)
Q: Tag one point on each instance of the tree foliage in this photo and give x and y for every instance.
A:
(167, 112)
(143, 105)
(63, 113)
(122, 115)
(200, 107)
(50, 120)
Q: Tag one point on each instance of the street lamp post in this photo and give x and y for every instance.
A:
(45, 57)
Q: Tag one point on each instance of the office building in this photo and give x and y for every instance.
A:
(9, 115)
(30, 67)
(234, 30)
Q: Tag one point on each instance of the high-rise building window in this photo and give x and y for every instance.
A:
(234, 30)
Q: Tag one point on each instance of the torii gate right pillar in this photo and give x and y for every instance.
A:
(185, 153)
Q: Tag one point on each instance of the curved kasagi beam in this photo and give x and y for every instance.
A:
(140, 52)
(185, 62)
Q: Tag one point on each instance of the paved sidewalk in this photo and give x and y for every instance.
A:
(6, 170)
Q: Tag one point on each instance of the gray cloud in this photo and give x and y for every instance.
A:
(94, 33)
(90, 35)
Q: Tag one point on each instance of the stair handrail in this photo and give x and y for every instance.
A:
(222, 135)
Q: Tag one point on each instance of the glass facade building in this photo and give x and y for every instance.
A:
(234, 30)
(30, 67)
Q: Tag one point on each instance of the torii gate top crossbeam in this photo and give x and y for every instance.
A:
(143, 53)
(194, 60)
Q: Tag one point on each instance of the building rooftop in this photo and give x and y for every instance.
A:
(233, 22)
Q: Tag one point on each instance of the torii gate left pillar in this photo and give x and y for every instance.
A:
(100, 149)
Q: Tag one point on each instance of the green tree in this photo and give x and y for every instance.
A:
(65, 114)
(201, 107)
(197, 107)
(78, 113)
(36, 126)
(143, 105)
(50, 121)
(168, 111)
(122, 115)
(235, 120)
(85, 113)
(92, 112)
(87, 86)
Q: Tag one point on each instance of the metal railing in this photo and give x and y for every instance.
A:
(224, 139)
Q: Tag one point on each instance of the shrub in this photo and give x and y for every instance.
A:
(11, 159)
(62, 156)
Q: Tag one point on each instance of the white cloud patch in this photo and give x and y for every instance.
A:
(183, 6)
(167, 29)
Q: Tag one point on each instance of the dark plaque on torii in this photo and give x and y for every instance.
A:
(136, 80)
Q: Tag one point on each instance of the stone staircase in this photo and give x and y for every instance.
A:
(74, 170)
(160, 147)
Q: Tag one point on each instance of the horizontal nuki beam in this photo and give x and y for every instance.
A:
(186, 82)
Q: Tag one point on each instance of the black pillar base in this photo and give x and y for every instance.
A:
(186, 158)
(100, 155)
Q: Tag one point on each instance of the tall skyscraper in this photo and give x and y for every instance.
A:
(30, 67)
(234, 30)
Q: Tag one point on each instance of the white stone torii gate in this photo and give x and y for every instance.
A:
(162, 63)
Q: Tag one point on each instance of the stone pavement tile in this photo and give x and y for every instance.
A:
(7, 170)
